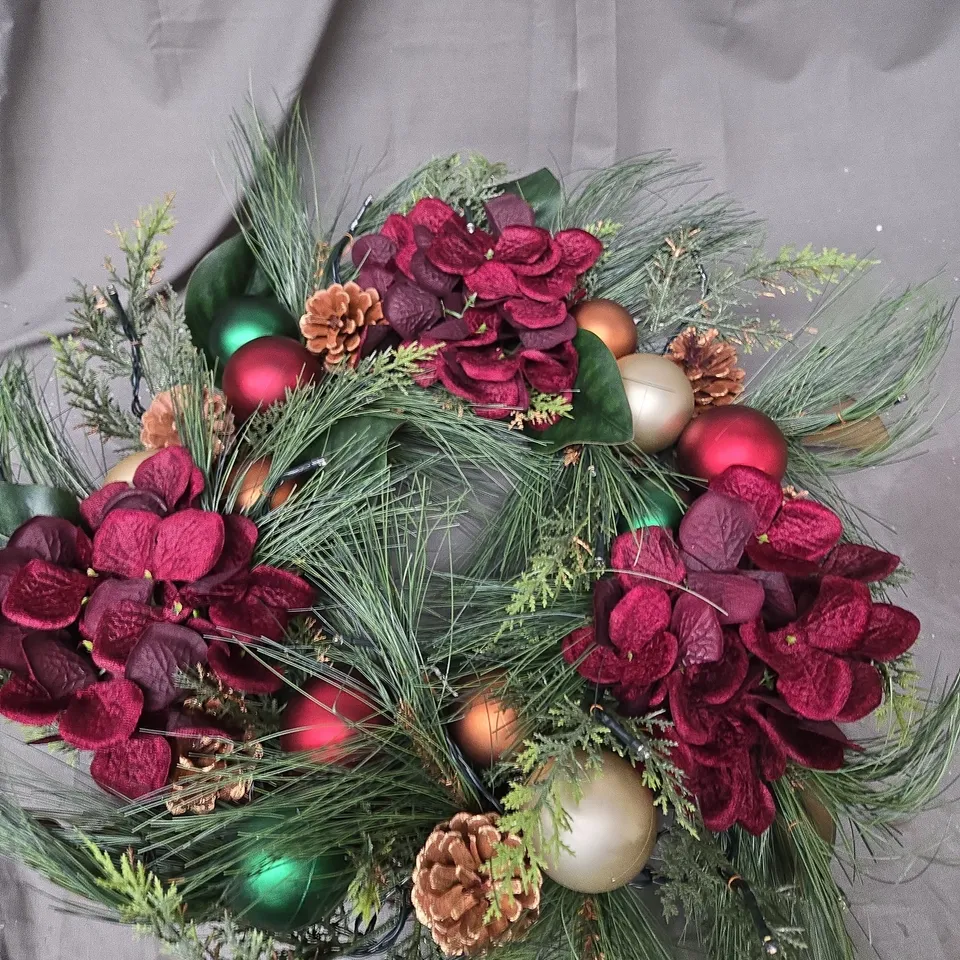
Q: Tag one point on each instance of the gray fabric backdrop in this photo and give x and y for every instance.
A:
(836, 122)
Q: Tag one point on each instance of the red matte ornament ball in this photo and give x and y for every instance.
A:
(324, 720)
(734, 435)
(259, 373)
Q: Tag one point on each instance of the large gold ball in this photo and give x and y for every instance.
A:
(613, 828)
(487, 728)
(610, 322)
(660, 398)
(123, 471)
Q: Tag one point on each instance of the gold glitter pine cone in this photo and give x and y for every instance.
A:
(201, 776)
(710, 365)
(452, 887)
(334, 320)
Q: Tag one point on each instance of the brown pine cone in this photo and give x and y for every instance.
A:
(710, 365)
(334, 322)
(452, 887)
(200, 777)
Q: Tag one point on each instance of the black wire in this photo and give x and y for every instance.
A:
(136, 358)
(337, 252)
(470, 775)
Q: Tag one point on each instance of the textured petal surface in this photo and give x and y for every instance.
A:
(59, 669)
(716, 529)
(43, 596)
(739, 598)
(241, 670)
(134, 767)
(754, 486)
(25, 701)
(164, 649)
(891, 631)
(124, 542)
(642, 554)
(102, 714)
(188, 545)
(697, 627)
(281, 589)
(857, 561)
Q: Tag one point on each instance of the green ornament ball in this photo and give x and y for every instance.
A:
(660, 509)
(241, 319)
(280, 893)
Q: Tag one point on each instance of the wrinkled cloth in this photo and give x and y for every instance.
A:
(829, 120)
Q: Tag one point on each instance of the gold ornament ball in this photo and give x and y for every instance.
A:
(612, 832)
(486, 729)
(660, 398)
(610, 322)
(123, 471)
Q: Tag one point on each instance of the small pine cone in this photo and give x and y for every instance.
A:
(159, 421)
(201, 777)
(452, 887)
(335, 320)
(710, 365)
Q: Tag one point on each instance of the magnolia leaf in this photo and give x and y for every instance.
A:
(353, 441)
(228, 270)
(20, 502)
(601, 413)
(542, 190)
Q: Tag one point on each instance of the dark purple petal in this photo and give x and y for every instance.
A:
(164, 649)
(58, 669)
(410, 310)
(739, 598)
(716, 529)
(697, 627)
(509, 210)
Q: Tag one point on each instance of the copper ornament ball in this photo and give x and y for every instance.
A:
(738, 435)
(324, 721)
(610, 322)
(660, 398)
(612, 828)
(260, 373)
(487, 728)
(123, 471)
(253, 479)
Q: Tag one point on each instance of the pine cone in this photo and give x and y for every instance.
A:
(710, 365)
(159, 421)
(334, 322)
(200, 777)
(452, 887)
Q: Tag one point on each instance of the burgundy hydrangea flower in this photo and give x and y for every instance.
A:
(96, 630)
(495, 303)
(756, 633)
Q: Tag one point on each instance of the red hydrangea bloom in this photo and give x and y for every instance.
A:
(446, 283)
(96, 630)
(757, 633)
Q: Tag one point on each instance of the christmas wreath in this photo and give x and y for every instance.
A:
(456, 591)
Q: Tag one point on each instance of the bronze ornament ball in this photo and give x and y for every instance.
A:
(736, 435)
(260, 373)
(610, 322)
(486, 728)
(612, 831)
(660, 398)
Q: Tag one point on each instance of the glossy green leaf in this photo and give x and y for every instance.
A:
(601, 413)
(226, 271)
(353, 441)
(20, 502)
(542, 190)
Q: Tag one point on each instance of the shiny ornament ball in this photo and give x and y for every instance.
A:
(487, 728)
(252, 478)
(324, 720)
(823, 823)
(612, 830)
(283, 892)
(241, 319)
(660, 509)
(660, 398)
(261, 372)
(123, 471)
(610, 322)
(735, 435)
